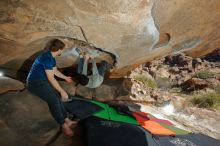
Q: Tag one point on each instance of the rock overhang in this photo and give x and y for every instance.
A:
(133, 31)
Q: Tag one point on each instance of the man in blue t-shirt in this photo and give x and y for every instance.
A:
(41, 82)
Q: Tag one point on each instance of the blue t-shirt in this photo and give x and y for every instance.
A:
(43, 62)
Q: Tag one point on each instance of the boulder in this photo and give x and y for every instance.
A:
(194, 84)
(178, 60)
(9, 84)
(174, 70)
(105, 93)
(109, 90)
(85, 92)
(213, 56)
(25, 120)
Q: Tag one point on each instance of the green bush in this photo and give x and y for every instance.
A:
(207, 100)
(205, 74)
(148, 82)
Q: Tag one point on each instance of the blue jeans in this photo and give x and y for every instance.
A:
(101, 68)
(46, 92)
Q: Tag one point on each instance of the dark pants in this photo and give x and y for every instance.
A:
(46, 92)
(101, 68)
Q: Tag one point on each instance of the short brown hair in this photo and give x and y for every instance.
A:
(55, 45)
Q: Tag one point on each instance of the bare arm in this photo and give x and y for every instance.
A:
(94, 68)
(85, 65)
(62, 76)
(50, 75)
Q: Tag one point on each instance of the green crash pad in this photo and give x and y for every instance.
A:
(110, 113)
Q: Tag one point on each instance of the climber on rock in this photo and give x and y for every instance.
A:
(90, 77)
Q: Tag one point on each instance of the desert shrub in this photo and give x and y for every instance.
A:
(217, 88)
(147, 81)
(206, 100)
(159, 66)
(164, 83)
(205, 74)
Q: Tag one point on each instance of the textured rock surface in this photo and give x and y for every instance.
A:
(194, 84)
(134, 30)
(8, 84)
(108, 91)
(26, 120)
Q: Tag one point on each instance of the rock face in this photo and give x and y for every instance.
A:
(23, 118)
(213, 56)
(135, 31)
(194, 84)
(8, 84)
(110, 90)
(178, 60)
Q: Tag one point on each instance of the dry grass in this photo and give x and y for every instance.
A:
(207, 100)
(205, 74)
(148, 82)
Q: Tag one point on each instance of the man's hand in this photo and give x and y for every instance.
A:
(56, 85)
(61, 75)
(64, 96)
(91, 57)
(87, 56)
(68, 79)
